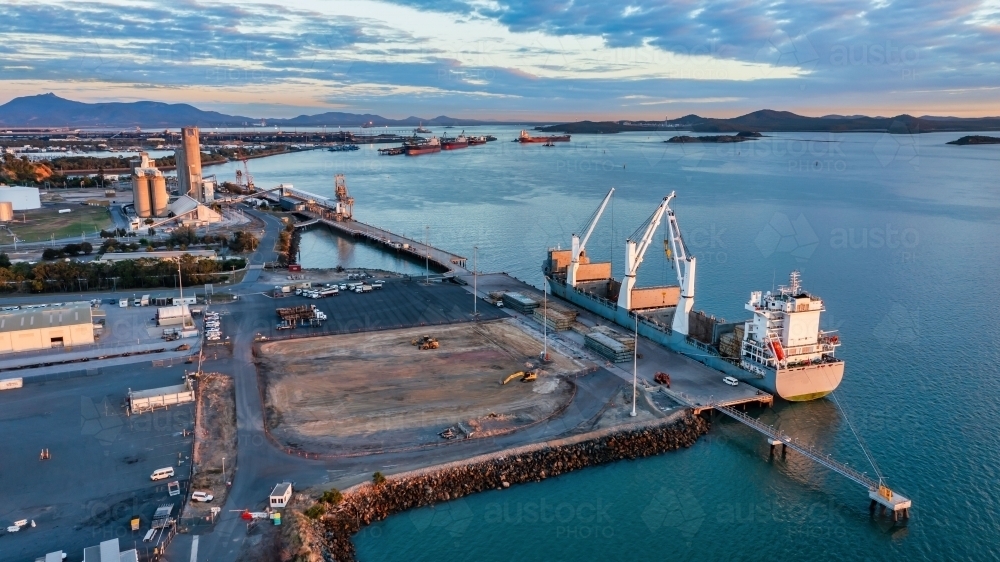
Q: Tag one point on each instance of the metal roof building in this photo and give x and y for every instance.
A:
(27, 329)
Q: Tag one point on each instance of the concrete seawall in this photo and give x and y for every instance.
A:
(329, 537)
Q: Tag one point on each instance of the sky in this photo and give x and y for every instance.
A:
(511, 59)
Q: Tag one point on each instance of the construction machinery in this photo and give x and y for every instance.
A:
(345, 203)
(425, 342)
(525, 376)
(662, 378)
(517, 375)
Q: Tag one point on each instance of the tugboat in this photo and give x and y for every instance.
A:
(415, 148)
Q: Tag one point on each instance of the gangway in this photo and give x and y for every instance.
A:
(878, 492)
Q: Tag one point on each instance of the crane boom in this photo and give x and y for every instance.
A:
(578, 245)
(635, 249)
(684, 265)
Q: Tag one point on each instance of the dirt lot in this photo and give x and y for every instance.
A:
(215, 438)
(376, 390)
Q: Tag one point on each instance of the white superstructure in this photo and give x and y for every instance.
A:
(784, 331)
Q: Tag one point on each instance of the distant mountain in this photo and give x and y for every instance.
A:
(50, 110)
(767, 120)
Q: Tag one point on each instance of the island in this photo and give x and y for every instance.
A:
(738, 137)
(976, 139)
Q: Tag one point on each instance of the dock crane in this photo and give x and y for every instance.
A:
(684, 265)
(345, 203)
(579, 245)
(635, 249)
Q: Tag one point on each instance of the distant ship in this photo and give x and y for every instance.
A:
(421, 129)
(368, 125)
(477, 140)
(461, 141)
(430, 145)
(526, 138)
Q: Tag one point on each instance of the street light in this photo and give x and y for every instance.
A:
(475, 285)
(635, 362)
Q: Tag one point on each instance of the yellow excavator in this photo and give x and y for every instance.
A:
(516, 375)
(524, 376)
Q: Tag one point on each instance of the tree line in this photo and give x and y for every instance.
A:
(72, 276)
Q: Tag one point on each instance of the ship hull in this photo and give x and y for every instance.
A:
(419, 151)
(454, 145)
(796, 384)
(533, 140)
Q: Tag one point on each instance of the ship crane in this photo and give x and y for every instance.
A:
(579, 245)
(684, 265)
(635, 249)
(345, 203)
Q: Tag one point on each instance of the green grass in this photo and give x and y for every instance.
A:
(42, 224)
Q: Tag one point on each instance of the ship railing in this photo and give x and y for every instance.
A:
(796, 445)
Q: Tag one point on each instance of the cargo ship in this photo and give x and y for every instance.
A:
(780, 349)
(477, 140)
(526, 138)
(421, 129)
(415, 148)
(461, 141)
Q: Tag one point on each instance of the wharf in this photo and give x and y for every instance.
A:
(324, 210)
(692, 384)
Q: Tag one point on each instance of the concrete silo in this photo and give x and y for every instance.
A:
(189, 162)
(141, 197)
(159, 198)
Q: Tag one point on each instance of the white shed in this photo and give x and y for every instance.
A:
(281, 494)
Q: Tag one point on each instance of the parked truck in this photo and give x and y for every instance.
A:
(144, 301)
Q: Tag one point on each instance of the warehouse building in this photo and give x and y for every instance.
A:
(20, 197)
(29, 329)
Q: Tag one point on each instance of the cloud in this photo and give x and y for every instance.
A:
(581, 57)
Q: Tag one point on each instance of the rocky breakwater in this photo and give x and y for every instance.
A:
(325, 533)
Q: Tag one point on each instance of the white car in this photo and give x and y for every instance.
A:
(731, 381)
(202, 497)
(212, 324)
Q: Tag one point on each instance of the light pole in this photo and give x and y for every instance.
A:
(545, 318)
(635, 362)
(475, 284)
(427, 256)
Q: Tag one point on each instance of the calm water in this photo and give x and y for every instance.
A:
(897, 234)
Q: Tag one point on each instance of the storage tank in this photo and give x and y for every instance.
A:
(159, 196)
(6, 211)
(140, 192)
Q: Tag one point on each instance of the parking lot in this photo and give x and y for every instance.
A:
(98, 476)
(401, 303)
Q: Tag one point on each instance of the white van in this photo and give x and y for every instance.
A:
(161, 473)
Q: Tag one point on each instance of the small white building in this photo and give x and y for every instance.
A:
(22, 198)
(280, 495)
